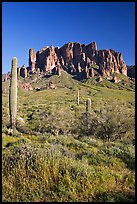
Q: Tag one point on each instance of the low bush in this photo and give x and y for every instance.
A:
(108, 123)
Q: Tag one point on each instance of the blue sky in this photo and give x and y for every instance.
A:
(28, 25)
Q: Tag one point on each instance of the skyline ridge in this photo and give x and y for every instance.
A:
(109, 24)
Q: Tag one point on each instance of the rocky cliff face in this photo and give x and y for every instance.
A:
(77, 58)
(32, 59)
(131, 71)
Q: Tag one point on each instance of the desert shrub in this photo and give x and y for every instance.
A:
(108, 123)
(32, 173)
(114, 196)
(62, 168)
(59, 121)
(124, 153)
(21, 126)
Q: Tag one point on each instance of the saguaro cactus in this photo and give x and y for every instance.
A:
(88, 105)
(78, 96)
(13, 94)
(88, 110)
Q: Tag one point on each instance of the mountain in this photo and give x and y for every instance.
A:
(82, 60)
(63, 150)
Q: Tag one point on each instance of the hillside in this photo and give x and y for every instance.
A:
(54, 156)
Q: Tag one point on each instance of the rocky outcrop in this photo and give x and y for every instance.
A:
(26, 86)
(6, 77)
(76, 59)
(110, 62)
(47, 58)
(91, 72)
(115, 80)
(32, 59)
(22, 71)
(99, 79)
(51, 85)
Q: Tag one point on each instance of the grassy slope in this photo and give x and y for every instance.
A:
(66, 166)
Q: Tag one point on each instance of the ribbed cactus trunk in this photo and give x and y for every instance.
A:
(78, 96)
(88, 110)
(13, 94)
(88, 105)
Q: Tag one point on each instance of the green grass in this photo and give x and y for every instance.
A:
(54, 157)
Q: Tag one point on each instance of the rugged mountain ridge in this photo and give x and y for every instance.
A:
(75, 58)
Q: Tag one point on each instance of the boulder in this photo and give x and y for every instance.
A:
(115, 79)
(51, 85)
(100, 79)
(26, 86)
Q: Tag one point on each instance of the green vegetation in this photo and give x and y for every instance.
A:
(53, 156)
(95, 66)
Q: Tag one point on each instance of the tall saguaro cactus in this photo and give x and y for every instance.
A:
(88, 110)
(88, 105)
(78, 97)
(13, 94)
